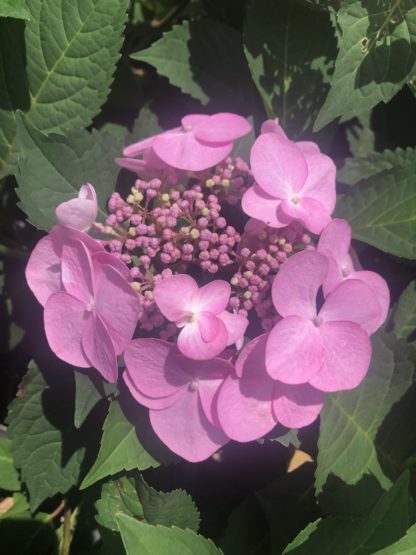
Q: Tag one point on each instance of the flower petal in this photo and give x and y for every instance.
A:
(138, 148)
(185, 429)
(99, 349)
(272, 126)
(296, 285)
(79, 213)
(61, 235)
(64, 319)
(312, 213)
(294, 351)
(251, 361)
(347, 356)
(334, 243)
(261, 206)
(295, 406)
(76, 271)
(379, 285)
(132, 164)
(150, 402)
(43, 271)
(104, 257)
(235, 324)
(173, 296)
(221, 128)
(278, 165)
(192, 344)
(208, 325)
(213, 297)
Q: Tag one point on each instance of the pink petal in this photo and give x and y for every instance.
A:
(295, 406)
(154, 367)
(43, 271)
(99, 349)
(64, 319)
(272, 126)
(185, 429)
(79, 213)
(192, 344)
(380, 287)
(104, 257)
(347, 356)
(309, 211)
(222, 128)
(61, 235)
(118, 305)
(251, 361)
(258, 204)
(296, 285)
(150, 402)
(235, 324)
(192, 120)
(173, 296)
(294, 351)
(132, 164)
(334, 243)
(76, 271)
(138, 148)
(183, 151)
(208, 325)
(278, 166)
(210, 380)
(352, 301)
(213, 296)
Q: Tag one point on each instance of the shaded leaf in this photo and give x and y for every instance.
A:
(87, 395)
(405, 546)
(14, 8)
(119, 496)
(405, 313)
(9, 477)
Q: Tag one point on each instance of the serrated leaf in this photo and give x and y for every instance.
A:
(116, 497)
(139, 537)
(86, 397)
(360, 137)
(14, 8)
(404, 317)
(120, 448)
(205, 60)
(376, 58)
(173, 508)
(405, 546)
(38, 438)
(9, 477)
(52, 169)
(350, 421)
(287, 45)
(382, 211)
(145, 125)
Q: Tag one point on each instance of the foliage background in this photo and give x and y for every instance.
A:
(80, 78)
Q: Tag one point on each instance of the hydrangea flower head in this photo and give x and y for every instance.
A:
(294, 181)
(180, 395)
(79, 213)
(207, 328)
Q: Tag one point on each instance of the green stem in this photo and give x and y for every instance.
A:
(67, 533)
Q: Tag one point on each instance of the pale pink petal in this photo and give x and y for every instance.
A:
(235, 324)
(333, 277)
(64, 320)
(335, 240)
(173, 296)
(132, 164)
(272, 126)
(263, 207)
(150, 402)
(296, 285)
(352, 301)
(185, 429)
(347, 356)
(213, 296)
(209, 383)
(278, 165)
(99, 349)
(191, 120)
(221, 128)
(244, 407)
(294, 351)
(153, 161)
(43, 271)
(379, 285)
(104, 257)
(309, 211)
(252, 358)
(79, 213)
(320, 182)
(192, 344)
(183, 151)
(61, 235)
(295, 406)
(208, 325)
(118, 305)
(154, 367)
(76, 271)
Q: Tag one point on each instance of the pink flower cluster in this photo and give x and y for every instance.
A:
(202, 379)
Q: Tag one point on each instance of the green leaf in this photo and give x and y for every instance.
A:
(119, 496)
(14, 8)
(376, 58)
(39, 427)
(385, 523)
(286, 46)
(146, 539)
(120, 448)
(405, 546)
(145, 125)
(405, 314)
(360, 136)
(204, 59)
(87, 395)
(173, 508)
(9, 477)
(382, 211)
(53, 168)
(350, 421)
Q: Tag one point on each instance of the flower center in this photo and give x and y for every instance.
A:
(89, 307)
(295, 199)
(194, 385)
(345, 272)
(187, 128)
(187, 318)
(317, 321)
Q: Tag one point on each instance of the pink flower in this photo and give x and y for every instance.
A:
(207, 328)
(202, 142)
(294, 181)
(250, 403)
(329, 349)
(92, 319)
(180, 395)
(79, 213)
(335, 244)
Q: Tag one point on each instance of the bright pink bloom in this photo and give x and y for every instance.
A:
(331, 349)
(207, 328)
(202, 142)
(294, 181)
(180, 395)
(251, 403)
(79, 213)
(335, 244)
(91, 320)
